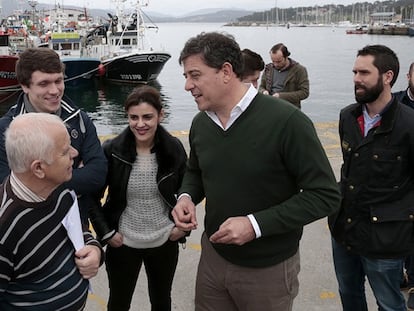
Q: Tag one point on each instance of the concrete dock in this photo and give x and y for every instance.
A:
(318, 289)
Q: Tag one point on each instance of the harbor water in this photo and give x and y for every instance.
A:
(328, 53)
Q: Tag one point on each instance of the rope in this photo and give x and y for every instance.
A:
(81, 75)
(10, 89)
(8, 97)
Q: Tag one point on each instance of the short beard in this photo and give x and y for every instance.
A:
(370, 95)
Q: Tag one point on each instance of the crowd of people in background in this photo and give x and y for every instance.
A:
(256, 162)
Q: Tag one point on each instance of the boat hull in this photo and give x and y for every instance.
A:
(138, 67)
(80, 70)
(8, 78)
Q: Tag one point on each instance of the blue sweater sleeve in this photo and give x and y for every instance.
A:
(90, 176)
(4, 165)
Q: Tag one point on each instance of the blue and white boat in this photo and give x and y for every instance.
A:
(79, 68)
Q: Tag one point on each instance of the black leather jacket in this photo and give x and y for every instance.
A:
(377, 184)
(121, 153)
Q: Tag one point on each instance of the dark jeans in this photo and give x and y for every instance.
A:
(123, 265)
(409, 269)
(384, 277)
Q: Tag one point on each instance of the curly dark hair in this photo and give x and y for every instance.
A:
(216, 49)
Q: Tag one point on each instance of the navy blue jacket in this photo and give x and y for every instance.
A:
(402, 96)
(90, 177)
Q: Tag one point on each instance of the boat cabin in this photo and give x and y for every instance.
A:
(66, 43)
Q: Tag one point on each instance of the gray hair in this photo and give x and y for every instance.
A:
(28, 139)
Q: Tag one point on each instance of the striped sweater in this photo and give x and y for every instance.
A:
(37, 262)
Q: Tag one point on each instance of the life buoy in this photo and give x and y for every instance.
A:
(101, 70)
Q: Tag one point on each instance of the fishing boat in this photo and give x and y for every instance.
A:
(8, 80)
(79, 68)
(124, 49)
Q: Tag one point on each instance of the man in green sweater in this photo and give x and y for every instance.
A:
(264, 174)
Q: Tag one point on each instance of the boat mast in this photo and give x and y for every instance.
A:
(119, 15)
(124, 21)
(140, 23)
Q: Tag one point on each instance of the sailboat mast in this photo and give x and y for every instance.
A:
(277, 14)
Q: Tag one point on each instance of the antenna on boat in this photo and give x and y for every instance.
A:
(33, 4)
(2, 27)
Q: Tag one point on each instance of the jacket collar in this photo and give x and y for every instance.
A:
(67, 111)
(387, 115)
(124, 146)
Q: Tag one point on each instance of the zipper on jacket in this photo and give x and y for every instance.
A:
(159, 192)
(183, 240)
(121, 159)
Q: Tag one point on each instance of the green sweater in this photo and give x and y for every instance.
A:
(269, 163)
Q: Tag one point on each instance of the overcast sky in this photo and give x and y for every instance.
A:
(181, 7)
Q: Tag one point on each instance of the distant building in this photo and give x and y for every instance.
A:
(383, 18)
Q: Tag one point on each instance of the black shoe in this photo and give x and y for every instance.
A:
(410, 299)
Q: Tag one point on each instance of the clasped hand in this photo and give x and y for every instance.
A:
(235, 230)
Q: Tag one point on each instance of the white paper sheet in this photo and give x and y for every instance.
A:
(72, 223)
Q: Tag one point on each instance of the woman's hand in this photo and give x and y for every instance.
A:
(117, 240)
(176, 234)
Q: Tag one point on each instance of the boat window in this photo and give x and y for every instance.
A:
(4, 40)
(66, 46)
(126, 42)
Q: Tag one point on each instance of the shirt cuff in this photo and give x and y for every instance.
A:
(184, 195)
(255, 225)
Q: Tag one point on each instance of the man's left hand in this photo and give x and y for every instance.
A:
(235, 230)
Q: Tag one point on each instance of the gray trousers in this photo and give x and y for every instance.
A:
(221, 285)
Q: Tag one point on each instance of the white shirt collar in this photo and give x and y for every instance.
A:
(23, 192)
(241, 106)
(369, 121)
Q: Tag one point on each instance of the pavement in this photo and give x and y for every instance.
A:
(318, 290)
